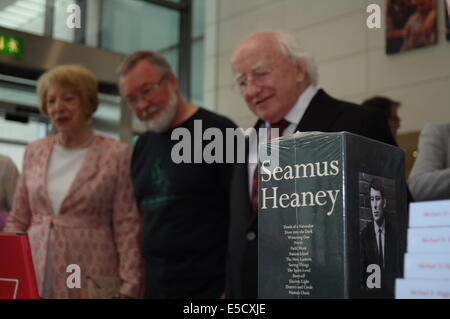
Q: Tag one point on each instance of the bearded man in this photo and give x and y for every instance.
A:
(184, 205)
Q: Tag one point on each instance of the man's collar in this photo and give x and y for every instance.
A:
(296, 113)
(298, 110)
(383, 226)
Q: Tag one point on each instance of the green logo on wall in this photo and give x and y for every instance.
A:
(11, 45)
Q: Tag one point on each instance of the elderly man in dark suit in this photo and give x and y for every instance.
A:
(278, 82)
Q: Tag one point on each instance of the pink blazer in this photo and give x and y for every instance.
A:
(98, 226)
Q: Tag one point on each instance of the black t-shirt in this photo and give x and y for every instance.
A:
(185, 213)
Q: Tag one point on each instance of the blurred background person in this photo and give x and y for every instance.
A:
(430, 176)
(8, 178)
(389, 108)
(74, 197)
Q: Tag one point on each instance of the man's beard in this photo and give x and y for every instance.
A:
(161, 122)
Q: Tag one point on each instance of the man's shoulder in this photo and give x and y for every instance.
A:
(144, 139)
(366, 230)
(344, 106)
(357, 119)
(356, 109)
(213, 119)
(437, 129)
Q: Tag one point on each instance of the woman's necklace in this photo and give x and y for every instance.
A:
(88, 141)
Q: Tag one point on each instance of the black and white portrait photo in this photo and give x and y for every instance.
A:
(379, 244)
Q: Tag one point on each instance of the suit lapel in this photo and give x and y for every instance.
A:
(43, 166)
(320, 114)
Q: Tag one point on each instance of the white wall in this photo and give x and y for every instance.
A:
(351, 58)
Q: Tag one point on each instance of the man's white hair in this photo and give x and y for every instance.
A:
(291, 49)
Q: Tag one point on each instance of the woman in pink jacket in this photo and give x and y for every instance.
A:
(75, 198)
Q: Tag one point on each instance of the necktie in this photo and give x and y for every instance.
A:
(380, 250)
(281, 126)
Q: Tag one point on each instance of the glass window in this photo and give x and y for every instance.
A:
(23, 15)
(106, 120)
(22, 96)
(18, 91)
(198, 18)
(14, 151)
(197, 61)
(15, 135)
(133, 25)
(21, 132)
(197, 72)
(172, 57)
(60, 16)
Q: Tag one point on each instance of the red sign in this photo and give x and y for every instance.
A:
(17, 276)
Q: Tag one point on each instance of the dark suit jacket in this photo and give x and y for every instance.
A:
(369, 255)
(324, 114)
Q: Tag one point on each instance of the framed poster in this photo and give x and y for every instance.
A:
(447, 18)
(410, 24)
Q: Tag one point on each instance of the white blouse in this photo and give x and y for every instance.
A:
(62, 169)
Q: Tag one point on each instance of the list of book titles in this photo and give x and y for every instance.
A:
(298, 259)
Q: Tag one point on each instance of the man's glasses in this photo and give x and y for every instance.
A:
(258, 77)
(145, 92)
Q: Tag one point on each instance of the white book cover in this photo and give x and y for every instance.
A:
(427, 266)
(422, 289)
(428, 214)
(429, 240)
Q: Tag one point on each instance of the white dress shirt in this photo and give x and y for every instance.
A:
(293, 117)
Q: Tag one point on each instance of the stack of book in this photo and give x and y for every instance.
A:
(313, 205)
(427, 261)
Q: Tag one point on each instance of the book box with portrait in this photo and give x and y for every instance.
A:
(322, 197)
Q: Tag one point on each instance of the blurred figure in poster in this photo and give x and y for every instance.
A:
(75, 197)
(420, 30)
(410, 24)
(447, 18)
(397, 14)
